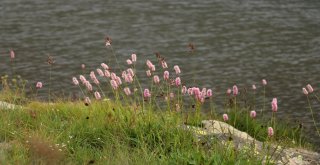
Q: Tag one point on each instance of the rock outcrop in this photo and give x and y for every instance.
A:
(8, 106)
(241, 140)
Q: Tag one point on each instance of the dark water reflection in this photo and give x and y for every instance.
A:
(237, 42)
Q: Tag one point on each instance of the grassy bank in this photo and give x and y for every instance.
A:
(103, 133)
(106, 132)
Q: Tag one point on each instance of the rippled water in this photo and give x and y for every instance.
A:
(237, 42)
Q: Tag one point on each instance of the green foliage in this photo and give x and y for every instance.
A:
(286, 134)
(104, 132)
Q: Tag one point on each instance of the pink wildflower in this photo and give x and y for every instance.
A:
(264, 82)
(156, 79)
(39, 85)
(114, 84)
(83, 66)
(94, 78)
(92, 75)
(107, 73)
(12, 54)
(209, 92)
(128, 78)
(127, 91)
(235, 90)
(177, 69)
(198, 95)
(149, 64)
(129, 62)
(166, 75)
(75, 81)
(152, 68)
(178, 81)
(164, 64)
(310, 89)
(225, 117)
(100, 72)
(104, 66)
(270, 131)
(196, 91)
(118, 80)
(304, 90)
(134, 57)
(254, 87)
(253, 114)
(228, 91)
(146, 93)
(124, 73)
(275, 100)
(88, 85)
(96, 81)
(97, 95)
(274, 105)
(82, 79)
(113, 76)
(130, 71)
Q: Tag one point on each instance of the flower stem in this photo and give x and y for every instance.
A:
(314, 122)
(264, 100)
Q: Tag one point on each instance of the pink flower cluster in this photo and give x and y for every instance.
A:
(264, 82)
(94, 78)
(132, 60)
(274, 105)
(164, 65)
(254, 87)
(307, 90)
(12, 54)
(128, 77)
(270, 131)
(156, 79)
(253, 114)
(235, 90)
(166, 75)
(146, 93)
(198, 95)
(75, 81)
(177, 69)
(39, 85)
(150, 65)
(97, 95)
(127, 91)
(225, 117)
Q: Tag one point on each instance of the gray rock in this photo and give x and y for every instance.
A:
(8, 106)
(226, 133)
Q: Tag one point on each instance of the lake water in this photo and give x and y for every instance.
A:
(236, 42)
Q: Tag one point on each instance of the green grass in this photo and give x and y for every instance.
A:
(109, 133)
(105, 133)
(286, 134)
